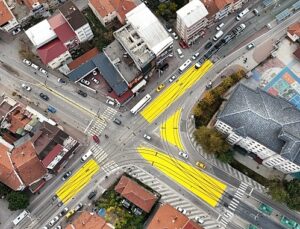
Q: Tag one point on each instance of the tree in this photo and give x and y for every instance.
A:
(211, 140)
(209, 98)
(277, 191)
(226, 157)
(4, 190)
(17, 200)
(293, 190)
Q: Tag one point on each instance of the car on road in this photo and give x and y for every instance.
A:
(209, 85)
(16, 31)
(160, 87)
(34, 66)
(181, 210)
(53, 221)
(256, 12)
(60, 80)
(96, 139)
(200, 165)
(44, 96)
(110, 102)
(27, 88)
(194, 57)
(58, 227)
(92, 194)
(183, 154)
(78, 207)
(168, 28)
(219, 45)
(220, 26)
(175, 36)
(199, 220)
(95, 80)
(250, 46)
(164, 67)
(239, 29)
(66, 175)
(85, 82)
(147, 137)
(63, 212)
(172, 78)
(70, 213)
(183, 44)
(27, 62)
(208, 45)
(43, 71)
(227, 38)
(82, 93)
(51, 109)
(54, 198)
(117, 121)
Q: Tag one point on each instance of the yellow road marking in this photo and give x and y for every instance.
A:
(169, 130)
(173, 92)
(78, 181)
(202, 185)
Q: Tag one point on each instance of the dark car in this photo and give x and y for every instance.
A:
(117, 121)
(227, 38)
(82, 93)
(218, 45)
(63, 212)
(92, 195)
(44, 96)
(51, 109)
(66, 175)
(164, 67)
(208, 45)
(96, 139)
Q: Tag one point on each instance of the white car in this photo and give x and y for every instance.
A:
(147, 137)
(175, 36)
(25, 61)
(53, 221)
(181, 210)
(172, 79)
(250, 46)
(87, 83)
(43, 71)
(220, 26)
(34, 66)
(195, 55)
(183, 154)
(16, 31)
(199, 220)
(95, 80)
(58, 227)
(27, 88)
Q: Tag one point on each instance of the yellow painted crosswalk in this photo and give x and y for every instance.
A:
(169, 130)
(202, 185)
(173, 92)
(77, 182)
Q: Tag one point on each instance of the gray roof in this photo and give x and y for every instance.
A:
(270, 120)
(107, 70)
(72, 14)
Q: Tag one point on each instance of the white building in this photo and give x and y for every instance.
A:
(191, 19)
(265, 125)
(7, 20)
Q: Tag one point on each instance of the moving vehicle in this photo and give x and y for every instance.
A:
(70, 213)
(141, 104)
(96, 139)
(218, 35)
(86, 155)
(168, 28)
(227, 38)
(27, 88)
(199, 220)
(197, 65)
(51, 109)
(200, 165)
(239, 29)
(220, 26)
(208, 45)
(66, 175)
(27, 62)
(92, 194)
(63, 212)
(78, 207)
(172, 78)
(82, 93)
(147, 137)
(180, 54)
(160, 87)
(53, 221)
(209, 85)
(44, 96)
(117, 121)
(250, 46)
(242, 14)
(256, 12)
(20, 217)
(175, 36)
(183, 154)
(194, 57)
(185, 65)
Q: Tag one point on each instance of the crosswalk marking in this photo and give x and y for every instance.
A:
(110, 167)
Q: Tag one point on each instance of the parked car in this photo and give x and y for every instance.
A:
(78, 207)
(160, 87)
(172, 78)
(27, 88)
(96, 139)
(147, 137)
(53, 221)
(82, 93)
(227, 38)
(60, 80)
(137, 211)
(200, 165)
(27, 62)
(175, 36)
(220, 26)
(63, 212)
(85, 82)
(44, 96)
(183, 44)
(194, 57)
(51, 109)
(43, 71)
(208, 45)
(92, 194)
(95, 80)
(256, 12)
(168, 28)
(117, 121)
(181, 210)
(125, 203)
(209, 85)
(250, 46)
(183, 154)
(34, 66)
(164, 67)
(58, 227)
(66, 175)
(110, 102)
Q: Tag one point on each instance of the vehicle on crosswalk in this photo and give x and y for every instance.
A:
(183, 154)
(199, 220)
(181, 210)
(96, 139)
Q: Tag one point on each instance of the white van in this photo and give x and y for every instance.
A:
(86, 156)
(110, 102)
(180, 54)
(242, 14)
(218, 35)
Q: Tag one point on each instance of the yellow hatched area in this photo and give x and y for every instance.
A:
(169, 130)
(202, 185)
(173, 92)
(78, 181)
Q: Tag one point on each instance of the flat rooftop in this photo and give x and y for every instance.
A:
(123, 63)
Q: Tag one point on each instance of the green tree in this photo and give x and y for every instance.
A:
(4, 190)
(277, 191)
(226, 157)
(17, 200)
(211, 140)
(293, 190)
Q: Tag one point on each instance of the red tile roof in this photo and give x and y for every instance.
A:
(6, 14)
(297, 53)
(169, 218)
(27, 164)
(52, 154)
(103, 7)
(83, 58)
(294, 29)
(51, 50)
(211, 7)
(8, 175)
(123, 7)
(136, 194)
(89, 220)
(18, 120)
(222, 3)
(61, 27)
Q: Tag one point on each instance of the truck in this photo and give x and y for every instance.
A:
(218, 35)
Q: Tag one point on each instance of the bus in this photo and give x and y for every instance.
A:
(23, 214)
(141, 104)
(183, 67)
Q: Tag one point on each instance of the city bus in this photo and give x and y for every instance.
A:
(20, 217)
(183, 67)
(141, 104)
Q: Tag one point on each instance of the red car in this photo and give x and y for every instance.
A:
(96, 139)
(183, 44)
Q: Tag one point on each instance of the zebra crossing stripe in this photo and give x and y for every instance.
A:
(232, 208)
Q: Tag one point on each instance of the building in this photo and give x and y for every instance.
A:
(263, 124)
(8, 22)
(89, 220)
(168, 217)
(108, 10)
(77, 21)
(136, 194)
(293, 32)
(191, 20)
(144, 39)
